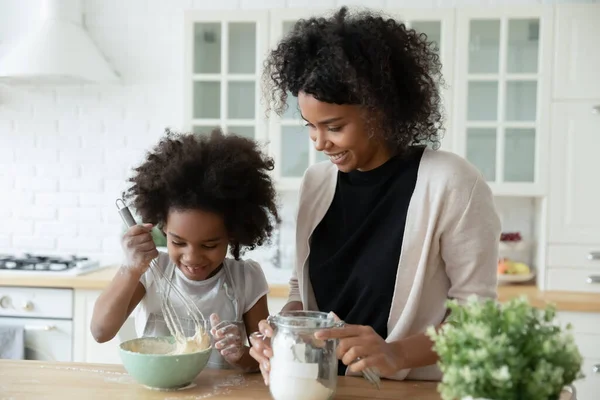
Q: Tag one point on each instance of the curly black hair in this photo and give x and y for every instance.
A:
(225, 174)
(367, 60)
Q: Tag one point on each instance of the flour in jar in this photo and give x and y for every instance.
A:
(295, 388)
(291, 378)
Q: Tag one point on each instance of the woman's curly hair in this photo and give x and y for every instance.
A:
(363, 59)
(225, 174)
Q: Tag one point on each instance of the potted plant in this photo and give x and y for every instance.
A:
(509, 351)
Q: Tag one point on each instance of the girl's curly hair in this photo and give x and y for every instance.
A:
(225, 174)
(363, 59)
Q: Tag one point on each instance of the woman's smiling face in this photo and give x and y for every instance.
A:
(341, 133)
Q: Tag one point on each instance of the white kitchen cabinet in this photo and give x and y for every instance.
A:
(223, 59)
(574, 199)
(502, 86)
(577, 54)
(586, 331)
(85, 348)
(290, 144)
(574, 268)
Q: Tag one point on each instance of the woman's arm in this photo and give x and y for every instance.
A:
(469, 244)
(115, 304)
(469, 248)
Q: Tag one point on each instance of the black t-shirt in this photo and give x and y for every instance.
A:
(355, 249)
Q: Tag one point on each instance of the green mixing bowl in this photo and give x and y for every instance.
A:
(161, 370)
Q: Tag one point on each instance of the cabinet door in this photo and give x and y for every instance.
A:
(502, 95)
(85, 348)
(223, 60)
(586, 331)
(577, 54)
(574, 200)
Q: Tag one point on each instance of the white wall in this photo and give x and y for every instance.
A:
(65, 151)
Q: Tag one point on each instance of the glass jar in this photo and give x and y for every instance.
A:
(302, 367)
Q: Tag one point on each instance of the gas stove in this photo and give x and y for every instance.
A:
(49, 265)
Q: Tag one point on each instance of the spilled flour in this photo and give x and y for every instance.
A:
(96, 371)
(218, 389)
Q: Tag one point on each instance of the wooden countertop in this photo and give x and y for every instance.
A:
(564, 301)
(50, 380)
(35, 380)
(98, 280)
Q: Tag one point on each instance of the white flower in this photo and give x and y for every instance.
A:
(502, 374)
(467, 374)
(478, 331)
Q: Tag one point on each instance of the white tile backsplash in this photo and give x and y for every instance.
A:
(66, 151)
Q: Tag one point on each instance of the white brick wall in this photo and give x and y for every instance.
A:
(65, 151)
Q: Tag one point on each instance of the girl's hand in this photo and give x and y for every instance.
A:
(228, 339)
(139, 248)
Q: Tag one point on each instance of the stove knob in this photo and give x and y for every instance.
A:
(5, 302)
(27, 306)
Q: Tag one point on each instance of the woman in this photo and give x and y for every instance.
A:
(389, 229)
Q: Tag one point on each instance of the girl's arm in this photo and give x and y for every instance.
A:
(257, 313)
(115, 304)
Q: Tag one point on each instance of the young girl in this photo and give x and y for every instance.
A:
(208, 195)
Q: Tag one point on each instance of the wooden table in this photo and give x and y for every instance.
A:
(49, 380)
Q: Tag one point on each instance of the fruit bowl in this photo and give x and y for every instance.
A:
(148, 362)
(515, 278)
(510, 271)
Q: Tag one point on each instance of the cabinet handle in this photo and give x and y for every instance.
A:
(594, 255)
(596, 110)
(40, 328)
(593, 279)
(596, 369)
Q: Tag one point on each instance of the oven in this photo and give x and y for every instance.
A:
(46, 316)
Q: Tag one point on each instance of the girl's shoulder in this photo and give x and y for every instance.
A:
(249, 281)
(244, 269)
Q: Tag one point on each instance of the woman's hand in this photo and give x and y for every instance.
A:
(261, 348)
(228, 339)
(361, 347)
(261, 341)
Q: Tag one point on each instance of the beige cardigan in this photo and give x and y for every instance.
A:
(450, 246)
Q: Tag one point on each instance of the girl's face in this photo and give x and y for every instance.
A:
(340, 132)
(197, 241)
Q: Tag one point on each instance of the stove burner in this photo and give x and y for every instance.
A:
(31, 262)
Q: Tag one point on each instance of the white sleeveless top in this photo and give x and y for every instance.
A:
(230, 293)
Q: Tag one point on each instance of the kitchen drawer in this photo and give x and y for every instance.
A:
(36, 302)
(588, 344)
(589, 387)
(583, 322)
(573, 279)
(573, 256)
